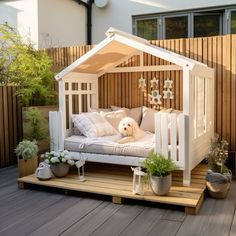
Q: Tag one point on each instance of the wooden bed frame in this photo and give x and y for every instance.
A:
(190, 133)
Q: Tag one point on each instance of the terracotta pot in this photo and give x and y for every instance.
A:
(160, 185)
(60, 170)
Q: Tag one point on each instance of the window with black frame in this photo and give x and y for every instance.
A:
(233, 22)
(207, 25)
(176, 27)
(147, 28)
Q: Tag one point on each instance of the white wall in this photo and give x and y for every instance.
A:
(61, 23)
(118, 13)
(21, 14)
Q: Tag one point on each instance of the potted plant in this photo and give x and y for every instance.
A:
(59, 162)
(26, 151)
(159, 171)
(218, 177)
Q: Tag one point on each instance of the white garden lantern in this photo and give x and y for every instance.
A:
(80, 165)
(137, 180)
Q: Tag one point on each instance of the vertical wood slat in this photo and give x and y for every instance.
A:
(218, 52)
(10, 125)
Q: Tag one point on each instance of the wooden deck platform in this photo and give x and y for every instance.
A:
(116, 181)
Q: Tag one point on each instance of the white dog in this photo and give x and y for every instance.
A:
(129, 128)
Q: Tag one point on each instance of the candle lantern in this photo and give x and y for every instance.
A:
(138, 174)
(80, 165)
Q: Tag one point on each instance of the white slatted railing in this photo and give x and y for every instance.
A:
(56, 131)
(170, 131)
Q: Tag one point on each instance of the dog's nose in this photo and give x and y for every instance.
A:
(125, 128)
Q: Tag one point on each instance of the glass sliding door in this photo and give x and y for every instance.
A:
(176, 27)
(147, 28)
(233, 22)
(207, 25)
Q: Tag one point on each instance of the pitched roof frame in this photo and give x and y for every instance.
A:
(136, 46)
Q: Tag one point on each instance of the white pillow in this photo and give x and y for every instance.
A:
(148, 121)
(114, 117)
(135, 113)
(92, 125)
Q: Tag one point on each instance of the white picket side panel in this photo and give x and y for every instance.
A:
(173, 137)
(70, 105)
(164, 134)
(53, 131)
(60, 131)
(158, 132)
(183, 136)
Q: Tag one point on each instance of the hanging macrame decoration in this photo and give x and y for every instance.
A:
(142, 82)
(167, 93)
(154, 82)
(155, 97)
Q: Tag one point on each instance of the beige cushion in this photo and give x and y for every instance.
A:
(100, 109)
(114, 117)
(92, 125)
(135, 113)
(148, 121)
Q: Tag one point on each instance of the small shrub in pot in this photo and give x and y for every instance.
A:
(159, 171)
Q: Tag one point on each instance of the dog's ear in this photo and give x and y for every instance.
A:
(134, 127)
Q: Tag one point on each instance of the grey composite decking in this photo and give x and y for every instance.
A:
(45, 212)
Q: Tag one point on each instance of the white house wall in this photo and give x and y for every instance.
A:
(118, 13)
(61, 23)
(21, 14)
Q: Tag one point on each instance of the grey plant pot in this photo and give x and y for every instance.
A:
(160, 185)
(60, 170)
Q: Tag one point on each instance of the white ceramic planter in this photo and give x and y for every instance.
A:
(161, 185)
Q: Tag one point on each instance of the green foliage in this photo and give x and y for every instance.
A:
(34, 126)
(22, 65)
(218, 155)
(26, 149)
(157, 165)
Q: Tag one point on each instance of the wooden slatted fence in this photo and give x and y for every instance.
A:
(10, 125)
(121, 89)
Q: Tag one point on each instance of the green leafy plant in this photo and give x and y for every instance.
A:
(218, 155)
(157, 165)
(34, 125)
(26, 149)
(24, 66)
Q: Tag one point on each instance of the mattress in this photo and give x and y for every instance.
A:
(108, 145)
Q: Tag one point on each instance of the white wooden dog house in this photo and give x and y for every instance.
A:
(190, 134)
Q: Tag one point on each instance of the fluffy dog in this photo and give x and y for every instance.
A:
(129, 128)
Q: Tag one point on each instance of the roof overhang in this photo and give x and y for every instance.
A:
(117, 46)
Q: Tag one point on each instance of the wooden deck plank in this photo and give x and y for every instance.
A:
(93, 220)
(68, 218)
(119, 221)
(166, 227)
(143, 222)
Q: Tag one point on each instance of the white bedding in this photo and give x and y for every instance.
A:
(108, 145)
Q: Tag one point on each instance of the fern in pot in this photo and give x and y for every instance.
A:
(159, 171)
(26, 151)
(218, 176)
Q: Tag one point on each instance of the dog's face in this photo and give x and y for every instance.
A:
(127, 126)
